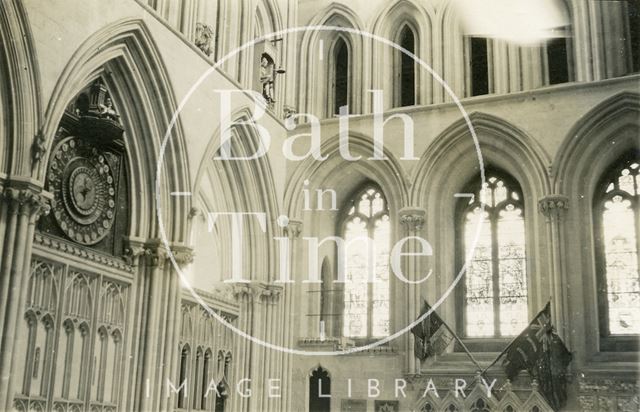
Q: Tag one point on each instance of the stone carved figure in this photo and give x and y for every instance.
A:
(267, 77)
(204, 38)
(107, 110)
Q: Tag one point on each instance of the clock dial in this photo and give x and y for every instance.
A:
(83, 188)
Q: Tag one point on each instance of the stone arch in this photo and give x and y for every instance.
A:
(345, 177)
(270, 14)
(258, 194)
(602, 136)
(504, 146)
(448, 52)
(389, 23)
(314, 73)
(386, 173)
(126, 57)
(588, 142)
(20, 94)
(266, 19)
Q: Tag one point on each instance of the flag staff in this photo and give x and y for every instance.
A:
(464, 347)
(455, 336)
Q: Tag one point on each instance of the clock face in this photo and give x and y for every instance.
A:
(83, 191)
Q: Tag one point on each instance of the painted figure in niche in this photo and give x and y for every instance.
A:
(267, 77)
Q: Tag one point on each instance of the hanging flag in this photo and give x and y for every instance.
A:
(541, 352)
(431, 336)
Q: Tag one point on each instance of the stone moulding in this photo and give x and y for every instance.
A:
(70, 249)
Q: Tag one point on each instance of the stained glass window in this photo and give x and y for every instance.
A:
(495, 282)
(619, 222)
(366, 289)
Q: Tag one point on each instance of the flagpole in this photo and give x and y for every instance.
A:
(500, 355)
(464, 347)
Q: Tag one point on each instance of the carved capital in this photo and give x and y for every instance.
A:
(293, 229)
(412, 218)
(157, 256)
(183, 255)
(553, 206)
(257, 292)
(155, 253)
(27, 201)
(272, 294)
(134, 250)
(241, 290)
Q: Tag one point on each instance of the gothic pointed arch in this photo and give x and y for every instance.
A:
(319, 390)
(218, 184)
(125, 56)
(390, 23)
(267, 19)
(329, 177)
(599, 147)
(448, 51)
(315, 73)
(387, 173)
(20, 94)
(604, 123)
(441, 177)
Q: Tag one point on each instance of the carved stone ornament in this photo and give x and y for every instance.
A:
(553, 206)
(84, 253)
(204, 38)
(38, 149)
(412, 218)
(293, 229)
(99, 120)
(84, 193)
(26, 201)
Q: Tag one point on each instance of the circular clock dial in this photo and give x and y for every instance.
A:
(83, 188)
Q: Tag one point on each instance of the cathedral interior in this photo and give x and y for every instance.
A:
(133, 132)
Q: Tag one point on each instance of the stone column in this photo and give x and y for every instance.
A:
(412, 220)
(293, 231)
(271, 369)
(245, 297)
(258, 328)
(21, 204)
(134, 252)
(182, 256)
(158, 301)
(151, 272)
(274, 331)
(554, 207)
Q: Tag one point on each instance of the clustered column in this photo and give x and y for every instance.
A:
(258, 310)
(21, 204)
(293, 231)
(554, 207)
(157, 326)
(412, 220)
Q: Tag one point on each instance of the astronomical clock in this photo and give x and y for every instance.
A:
(87, 175)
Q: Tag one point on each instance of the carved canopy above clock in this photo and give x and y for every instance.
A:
(86, 174)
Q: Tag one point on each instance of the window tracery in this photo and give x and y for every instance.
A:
(367, 233)
(495, 282)
(617, 213)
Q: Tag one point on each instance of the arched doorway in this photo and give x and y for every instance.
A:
(319, 390)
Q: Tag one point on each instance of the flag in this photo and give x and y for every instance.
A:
(431, 335)
(541, 352)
